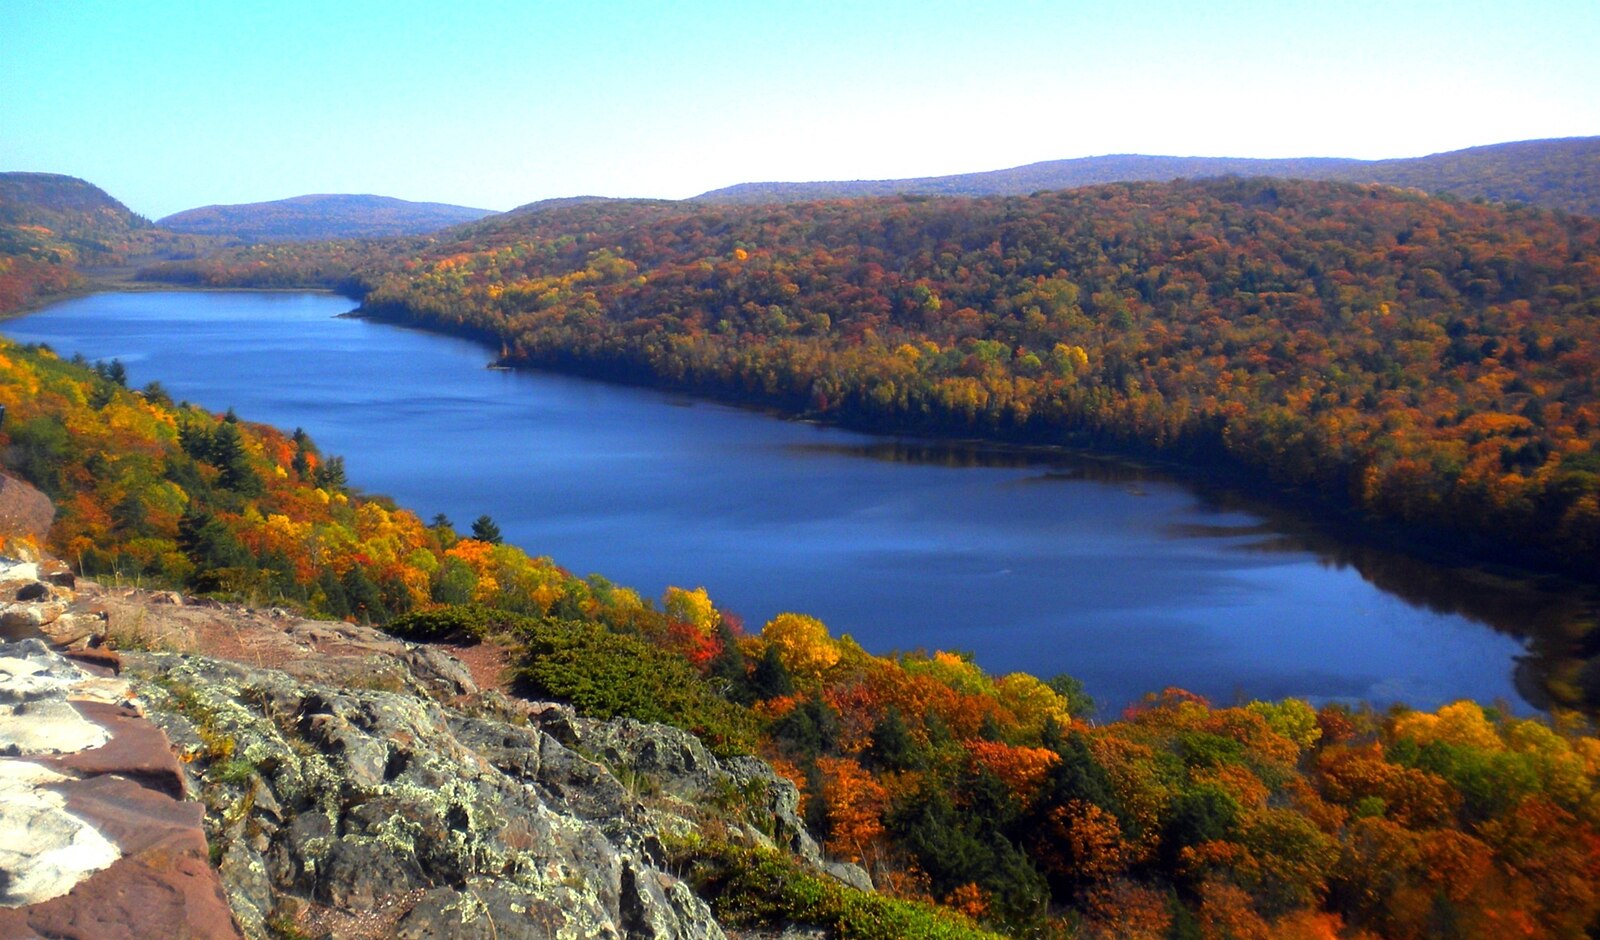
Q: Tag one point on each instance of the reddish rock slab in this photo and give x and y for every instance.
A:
(134, 818)
(138, 750)
(162, 887)
(152, 896)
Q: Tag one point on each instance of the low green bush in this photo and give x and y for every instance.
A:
(462, 621)
(763, 888)
(607, 675)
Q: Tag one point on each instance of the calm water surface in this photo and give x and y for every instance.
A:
(1125, 578)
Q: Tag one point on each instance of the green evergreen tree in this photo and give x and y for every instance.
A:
(771, 677)
(485, 530)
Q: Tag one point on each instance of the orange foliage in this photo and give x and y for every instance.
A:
(1127, 911)
(969, 899)
(1080, 841)
(1226, 913)
(856, 804)
(1023, 769)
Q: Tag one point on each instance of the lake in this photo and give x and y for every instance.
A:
(1047, 562)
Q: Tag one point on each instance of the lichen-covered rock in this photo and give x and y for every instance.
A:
(418, 819)
(439, 671)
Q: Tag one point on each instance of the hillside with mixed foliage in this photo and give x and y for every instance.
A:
(53, 227)
(72, 209)
(1413, 360)
(1556, 174)
(989, 795)
(49, 225)
(316, 217)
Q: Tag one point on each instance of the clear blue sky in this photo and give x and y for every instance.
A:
(174, 105)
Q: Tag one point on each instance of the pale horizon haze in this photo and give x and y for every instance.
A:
(169, 106)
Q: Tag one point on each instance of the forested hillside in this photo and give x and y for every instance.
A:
(988, 795)
(49, 224)
(1555, 174)
(53, 226)
(1425, 362)
(71, 208)
(309, 218)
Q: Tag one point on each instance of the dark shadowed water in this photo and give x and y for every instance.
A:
(1121, 576)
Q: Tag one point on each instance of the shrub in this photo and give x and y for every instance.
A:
(607, 675)
(464, 621)
(760, 887)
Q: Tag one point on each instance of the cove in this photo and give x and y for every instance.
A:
(1045, 562)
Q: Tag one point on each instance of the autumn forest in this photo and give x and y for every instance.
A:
(1422, 361)
(1420, 365)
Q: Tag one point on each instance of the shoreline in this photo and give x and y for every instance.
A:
(1379, 551)
(104, 284)
(1315, 511)
(1318, 511)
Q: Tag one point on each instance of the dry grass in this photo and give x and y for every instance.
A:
(133, 629)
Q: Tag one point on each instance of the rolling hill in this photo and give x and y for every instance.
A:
(1426, 361)
(316, 217)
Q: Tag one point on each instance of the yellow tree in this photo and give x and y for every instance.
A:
(803, 644)
(691, 607)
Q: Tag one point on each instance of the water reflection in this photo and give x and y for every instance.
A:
(1556, 617)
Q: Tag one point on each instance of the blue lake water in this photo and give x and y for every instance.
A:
(1124, 577)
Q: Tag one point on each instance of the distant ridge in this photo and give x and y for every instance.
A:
(544, 205)
(316, 217)
(1562, 173)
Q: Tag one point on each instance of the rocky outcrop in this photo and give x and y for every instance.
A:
(46, 850)
(37, 600)
(673, 763)
(35, 716)
(340, 783)
(359, 812)
(317, 651)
